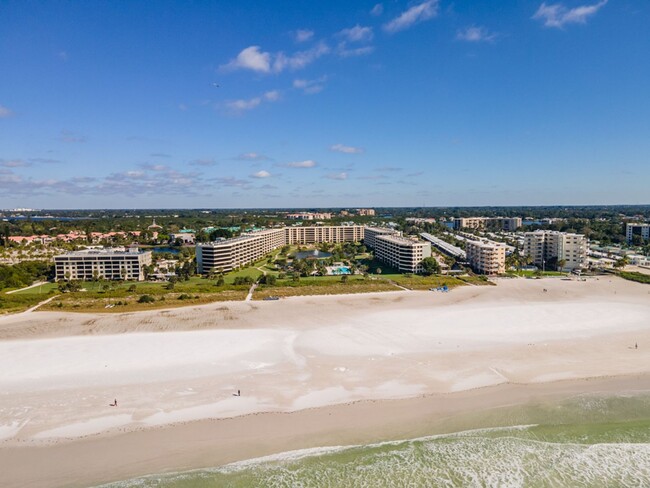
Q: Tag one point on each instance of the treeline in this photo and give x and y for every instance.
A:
(24, 274)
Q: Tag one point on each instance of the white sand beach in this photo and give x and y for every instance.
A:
(309, 365)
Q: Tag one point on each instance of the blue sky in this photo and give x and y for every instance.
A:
(318, 104)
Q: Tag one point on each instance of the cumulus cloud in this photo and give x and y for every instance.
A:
(252, 156)
(252, 59)
(346, 149)
(346, 52)
(299, 59)
(356, 34)
(310, 86)
(377, 10)
(5, 112)
(557, 15)
(261, 174)
(475, 34)
(414, 15)
(337, 176)
(244, 104)
(303, 35)
(272, 96)
(301, 164)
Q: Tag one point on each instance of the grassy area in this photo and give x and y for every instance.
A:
(532, 274)
(477, 280)
(322, 285)
(124, 302)
(18, 302)
(42, 290)
(635, 276)
(417, 282)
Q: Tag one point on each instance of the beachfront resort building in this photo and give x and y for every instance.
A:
(637, 229)
(229, 254)
(310, 216)
(109, 264)
(370, 235)
(486, 257)
(507, 224)
(399, 252)
(329, 233)
(546, 247)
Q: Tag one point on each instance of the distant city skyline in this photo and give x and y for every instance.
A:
(324, 104)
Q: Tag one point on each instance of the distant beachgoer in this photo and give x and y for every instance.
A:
(238, 392)
(636, 346)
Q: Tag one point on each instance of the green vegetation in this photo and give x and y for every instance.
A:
(24, 274)
(417, 282)
(634, 276)
(322, 285)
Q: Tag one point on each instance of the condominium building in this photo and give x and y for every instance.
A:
(310, 216)
(370, 234)
(233, 253)
(637, 229)
(508, 224)
(109, 264)
(316, 234)
(548, 246)
(399, 252)
(366, 211)
(486, 257)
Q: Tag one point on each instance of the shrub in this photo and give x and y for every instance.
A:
(146, 299)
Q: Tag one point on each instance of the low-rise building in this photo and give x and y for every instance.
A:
(310, 216)
(508, 224)
(370, 212)
(486, 257)
(109, 264)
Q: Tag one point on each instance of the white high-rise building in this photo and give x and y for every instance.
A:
(486, 257)
(548, 246)
(638, 229)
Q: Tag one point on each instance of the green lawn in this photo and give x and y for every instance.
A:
(531, 274)
(39, 290)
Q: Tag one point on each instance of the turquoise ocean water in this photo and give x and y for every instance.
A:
(587, 441)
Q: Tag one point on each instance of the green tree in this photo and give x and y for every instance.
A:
(430, 266)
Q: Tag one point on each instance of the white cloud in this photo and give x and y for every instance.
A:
(357, 34)
(302, 164)
(377, 10)
(253, 59)
(272, 96)
(299, 59)
(344, 52)
(310, 86)
(63, 55)
(475, 34)
(557, 15)
(417, 13)
(14, 163)
(244, 104)
(346, 149)
(5, 112)
(303, 35)
(337, 176)
(261, 174)
(252, 156)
